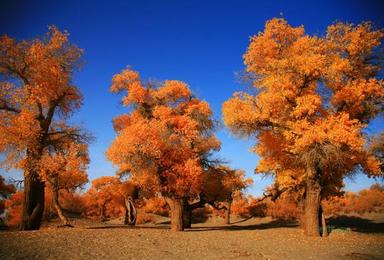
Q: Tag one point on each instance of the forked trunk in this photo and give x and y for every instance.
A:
(59, 210)
(228, 213)
(33, 204)
(187, 214)
(176, 205)
(130, 215)
(312, 204)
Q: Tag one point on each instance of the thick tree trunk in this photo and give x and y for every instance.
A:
(187, 214)
(33, 204)
(312, 204)
(228, 213)
(176, 205)
(130, 212)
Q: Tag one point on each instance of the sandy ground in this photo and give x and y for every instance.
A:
(252, 239)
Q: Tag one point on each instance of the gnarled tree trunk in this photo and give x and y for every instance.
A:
(187, 214)
(59, 210)
(311, 205)
(176, 206)
(130, 215)
(33, 204)
(54, 183)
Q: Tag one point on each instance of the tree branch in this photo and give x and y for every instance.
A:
(5, 107)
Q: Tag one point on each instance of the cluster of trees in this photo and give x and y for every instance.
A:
(109, 197)
(365, 201)
(313, 97)
(110, 204)
(288, 207)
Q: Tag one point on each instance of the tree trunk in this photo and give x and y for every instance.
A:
(33, 204)
(323, 223)
(63, 218)
(301, 206)
(312, 204)
(126, 214)
(187, 214)
(102, 213)
(130, 212)
(228, 213)
(176, 205)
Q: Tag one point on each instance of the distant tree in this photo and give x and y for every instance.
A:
(110, 194)
(64, 168)
(100, 194)
(156, 205)
(220, 184)
(314, 97)
(365, 201)
(37, 96)
(14, 206)
(162, 140)
(6, 190)
(129, 192)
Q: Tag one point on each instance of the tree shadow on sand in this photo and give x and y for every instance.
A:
(233, 227)
(354, 223)
(261, 226)
(122, 226)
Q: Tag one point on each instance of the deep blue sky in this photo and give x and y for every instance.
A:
(199, 42)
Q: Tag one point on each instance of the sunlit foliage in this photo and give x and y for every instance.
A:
(314, 97)
(164, 139)
(37, 97)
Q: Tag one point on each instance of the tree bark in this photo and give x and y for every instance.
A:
(102, 213)
(59, 210)
(228, 212)
(126, 214)
(301, 206)
(311, 205)
(33, 204)
(187, 214)
(323, 223)
(130, 212)
(176, 205)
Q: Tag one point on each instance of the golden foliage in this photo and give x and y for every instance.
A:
(36, 98)
(365, 201)
(162, 141)
(156, 205)
(14, 208)
(106, 197)
(315, 96)
(222, 184)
